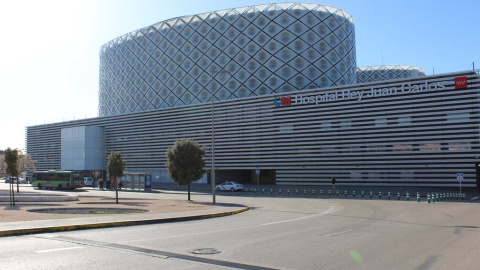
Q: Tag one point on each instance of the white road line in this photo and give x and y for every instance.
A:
(329, 210)
(56, 249)
(300, 218)
(333, 234)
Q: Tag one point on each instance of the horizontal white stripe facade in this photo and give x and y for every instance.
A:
(420, 139)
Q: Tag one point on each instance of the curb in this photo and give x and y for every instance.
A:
(117, 223)
(40, 198)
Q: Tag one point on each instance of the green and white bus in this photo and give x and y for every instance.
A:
(57, 179)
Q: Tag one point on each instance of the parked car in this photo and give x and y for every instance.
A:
(229, 185)
(8, 179)
(88, 181)
(20, 181)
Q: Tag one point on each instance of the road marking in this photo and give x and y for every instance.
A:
(57, 249)
(333, 234)
(300, 218)
(328, 211)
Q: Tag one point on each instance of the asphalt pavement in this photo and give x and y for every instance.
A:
(20, 227)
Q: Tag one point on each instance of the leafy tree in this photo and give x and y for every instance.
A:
(11, 160)
(186, 163)
(116, 166)
(26, 163)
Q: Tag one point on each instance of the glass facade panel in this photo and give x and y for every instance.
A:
(191, 50)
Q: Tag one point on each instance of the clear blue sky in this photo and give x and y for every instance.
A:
(49, 50)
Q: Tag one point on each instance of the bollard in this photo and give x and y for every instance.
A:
(440, 197)
(362, 193)
(263, 190)
(389, 195)
(428, 197)
(433, 197)
(345, 193)
(329, 194)
(305, 192)
(296, 191)
(338, 193)
(437, 199)
(408, 196)
(313, 192)
(444, 198)
(288, 191)
(398, 196)
(280, 191)
(463, 197)
(354, 194)
(379, 194)
(255, 190)
(371, 194)
(418, 196)
(321, 192)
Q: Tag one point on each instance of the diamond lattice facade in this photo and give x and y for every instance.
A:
(263, 49)
(384, 73)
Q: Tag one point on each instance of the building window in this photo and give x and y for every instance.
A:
(402, 147)
(404, 120)
(346, 124)
(356, 175)
(430, 147)
(381, 122)
(459, 146)
(285, 129)
(407, 175)
(326, 125)
(458, 117)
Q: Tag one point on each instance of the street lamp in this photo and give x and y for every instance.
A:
(212, 173)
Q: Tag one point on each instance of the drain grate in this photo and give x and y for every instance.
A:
(206, 251)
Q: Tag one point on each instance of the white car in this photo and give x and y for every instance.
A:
(229, 185)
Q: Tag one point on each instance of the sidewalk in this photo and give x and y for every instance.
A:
(19, 219)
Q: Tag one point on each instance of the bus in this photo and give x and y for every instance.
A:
(57, 179)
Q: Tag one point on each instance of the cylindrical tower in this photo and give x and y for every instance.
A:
(264, 49)
(383, 73)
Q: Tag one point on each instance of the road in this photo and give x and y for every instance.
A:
(277, 233)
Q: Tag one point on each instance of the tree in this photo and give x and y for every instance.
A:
(26, 163)
(186, 163)
(116, 166)
(11, 160)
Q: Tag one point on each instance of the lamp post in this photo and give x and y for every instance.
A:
(212, 173)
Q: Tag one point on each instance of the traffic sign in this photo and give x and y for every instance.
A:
(257, 172)
(459, 176)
